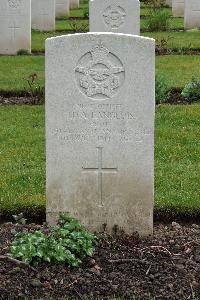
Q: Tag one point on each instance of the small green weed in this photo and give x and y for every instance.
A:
(36, 91)
(162, 45)
(184, 49)
(191, 91)
(68, 242)
(86, 13)
(162, 92)
(20, 219)
(23, 52)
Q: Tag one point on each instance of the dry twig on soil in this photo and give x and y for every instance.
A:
(16, 261)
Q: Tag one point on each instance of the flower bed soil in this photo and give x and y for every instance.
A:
(166, 266)
(175, 97)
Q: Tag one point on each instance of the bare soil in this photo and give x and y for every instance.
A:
(165, 266)
(174, 98)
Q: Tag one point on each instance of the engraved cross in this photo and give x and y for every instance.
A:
(14, 27)
(100, 170)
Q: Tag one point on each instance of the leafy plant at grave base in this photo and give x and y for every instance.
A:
(34, 90)
(161, 90)
(191, 91)
(158, 20)
(23, 52)
(78, 26)
(68, 242)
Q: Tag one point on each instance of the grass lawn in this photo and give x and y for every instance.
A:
(174, 23)
(177, 155)
(176, 69)
(13, 70)
(83, 25)
(176, 40)
(22, 160)
(22, 177)
(182, 39)
(144, 10)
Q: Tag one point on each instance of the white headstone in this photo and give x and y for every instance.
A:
(74, 4)
(121, 16)
(100, 130)
(178, 8)
(15, 26)
(43, 15)
(62, 8)
(192, 14)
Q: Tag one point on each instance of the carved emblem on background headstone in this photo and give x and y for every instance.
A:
(14, 3)
(100, 73)
(114, 16)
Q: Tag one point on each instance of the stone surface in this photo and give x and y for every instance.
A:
(178, 8)
(100, 130)
(15, 26)
(74, 4)
(192, 14)
(43, 15)
(62, 8)
(168, 2)
(121, 16)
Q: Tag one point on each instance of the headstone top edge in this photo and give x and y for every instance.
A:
(93, 34)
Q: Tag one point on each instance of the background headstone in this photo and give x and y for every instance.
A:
(74, 4)
(15, 26)
(168, 2)
(62, 8)
(119, 16)
(178, 8)
(43, 15)
(100, 130)
(192, 14)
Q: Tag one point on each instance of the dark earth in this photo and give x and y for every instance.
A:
(166, 266)
(174, 98)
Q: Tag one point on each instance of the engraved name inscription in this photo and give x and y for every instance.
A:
(100, 123)
(99, 73)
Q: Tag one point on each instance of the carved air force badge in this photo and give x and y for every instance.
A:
(99, 73)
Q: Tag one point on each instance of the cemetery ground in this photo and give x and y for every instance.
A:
(166, 266)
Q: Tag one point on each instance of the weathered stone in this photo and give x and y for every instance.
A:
(35, 282)
(100, 129)
(74, 4)
(176, 225)
(192, 14)
(178, 8)
(62, 8)
(168, 2)
(15, 26)
(43, 15)
(121, 16)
